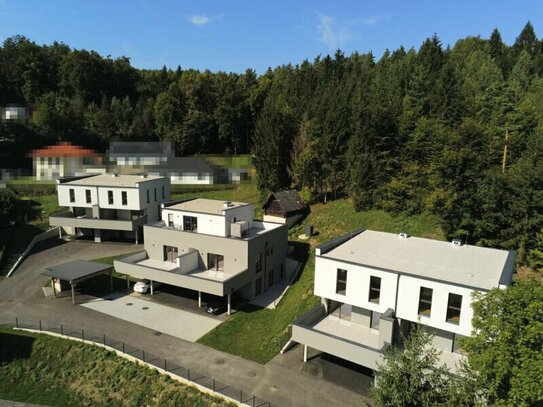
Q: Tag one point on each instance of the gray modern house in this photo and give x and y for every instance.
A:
(109, 205)
(212, 247)
(374, 285)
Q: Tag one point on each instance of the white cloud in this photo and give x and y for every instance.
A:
(332, 34)
(199, 19)
(375, 19)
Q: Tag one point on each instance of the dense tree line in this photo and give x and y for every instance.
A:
(414, 131)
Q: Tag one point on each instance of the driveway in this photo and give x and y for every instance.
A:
(284, 381)
(172, 321)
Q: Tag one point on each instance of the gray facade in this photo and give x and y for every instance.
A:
(190, 259)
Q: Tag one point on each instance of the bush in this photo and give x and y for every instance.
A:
(8, 206)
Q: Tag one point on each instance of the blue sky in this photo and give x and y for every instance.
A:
(233, 35)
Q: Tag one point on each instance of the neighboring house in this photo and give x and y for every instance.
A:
(139, 154)
(375, 285)
(188, 170)
(15, 113)
(109, 205)
(61, 160)
(284, 207)
(212, 247)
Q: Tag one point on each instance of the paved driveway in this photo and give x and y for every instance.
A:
(285, 381)
(172, 321)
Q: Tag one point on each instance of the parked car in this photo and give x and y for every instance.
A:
(144, 286)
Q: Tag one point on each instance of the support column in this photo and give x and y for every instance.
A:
(199, 299)
(127, 282)
(151, 287)
(53, 287)
(73, 292)
(305, 353)
(137, 234)
(111, 280)
(97, 236)
(60, 232)
(229, 305)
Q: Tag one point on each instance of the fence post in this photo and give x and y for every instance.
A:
(241, 396)
(83, 334)
(16, 322)
(143, 354)
(40, 324)
(123, 348)
(188, 374)
(254, 400)
(61, 330)
(213, 385)
(165, 366)
(104, 339)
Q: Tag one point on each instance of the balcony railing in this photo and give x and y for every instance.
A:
(69, 220)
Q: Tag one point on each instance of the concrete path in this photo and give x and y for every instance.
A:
(175, 322)
(284, 381)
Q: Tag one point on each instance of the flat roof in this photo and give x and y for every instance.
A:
(209, 206)
(109, 180)
(76, 270)
(467, 265)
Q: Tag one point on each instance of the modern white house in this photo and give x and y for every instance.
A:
(374, 285)
(110, 205)
(213, 247)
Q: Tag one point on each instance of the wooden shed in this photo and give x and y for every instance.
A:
(284, 207)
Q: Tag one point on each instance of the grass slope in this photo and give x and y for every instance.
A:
(259, 334)
(53, 371)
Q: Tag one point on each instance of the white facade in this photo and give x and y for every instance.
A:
(216, 223)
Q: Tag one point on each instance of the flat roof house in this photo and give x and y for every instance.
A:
(110, 205)
(212, 247)
(61, 160)
(375, 285)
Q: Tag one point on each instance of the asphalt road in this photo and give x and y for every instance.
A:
(284, 381)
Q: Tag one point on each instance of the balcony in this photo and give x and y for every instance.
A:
(184, 274)
(68, 219)
(257, 228)
(344, 339)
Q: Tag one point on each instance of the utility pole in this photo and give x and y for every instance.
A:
(505, 147)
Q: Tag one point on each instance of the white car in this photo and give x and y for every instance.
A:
(143, 286)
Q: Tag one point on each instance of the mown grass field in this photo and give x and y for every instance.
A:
(259, 334)
(58, 372)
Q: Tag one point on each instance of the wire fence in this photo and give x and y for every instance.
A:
(191, 375)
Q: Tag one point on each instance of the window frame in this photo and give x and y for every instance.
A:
(453, 309)
(372, 298)
(341, 284)
(88, 196)
(110, 198)
(258, 263)
(72, 195)
(124, 198)
(425, 311)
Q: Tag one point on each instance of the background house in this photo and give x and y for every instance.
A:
(62, 160)
(284, 207)
(15, 113)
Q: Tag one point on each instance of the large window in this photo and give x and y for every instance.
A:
(215, 262)
(72, 195)
(425, 301)
(259, 262)
(375, 289)
(124, 196)
(453, 308)
(88, 195)
(170, 254)
(110, 197)
(341, 281)
(190, 223)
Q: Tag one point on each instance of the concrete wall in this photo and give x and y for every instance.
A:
(361, 316)
(63, 191)
(408, 301)
(358, 284)
(207, 224)
(188, 261)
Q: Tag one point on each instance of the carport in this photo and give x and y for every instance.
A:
(77, 271)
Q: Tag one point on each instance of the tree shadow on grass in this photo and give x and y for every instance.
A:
(13, 347)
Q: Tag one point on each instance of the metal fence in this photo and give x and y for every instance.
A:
(239, 395)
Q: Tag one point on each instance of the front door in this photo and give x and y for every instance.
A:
(170, 254)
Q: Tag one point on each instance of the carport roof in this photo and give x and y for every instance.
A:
(76, 270)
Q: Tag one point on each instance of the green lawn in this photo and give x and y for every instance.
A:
(259, 334)
(53, 371)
